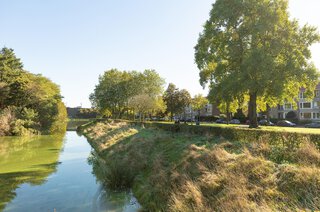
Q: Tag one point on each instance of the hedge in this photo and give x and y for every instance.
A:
(285, 139)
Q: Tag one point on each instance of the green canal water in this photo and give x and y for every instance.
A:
(52, 173)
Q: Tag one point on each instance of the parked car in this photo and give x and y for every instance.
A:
(221, 121)
(265, 122)
(313, 125)
(235, 121)
(286, 123)
(164, 119)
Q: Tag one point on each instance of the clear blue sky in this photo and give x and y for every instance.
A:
(73, 41)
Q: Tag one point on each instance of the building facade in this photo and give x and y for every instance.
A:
(209, 110)
(305, 109)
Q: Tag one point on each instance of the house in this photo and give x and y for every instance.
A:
(209, 110)
(308, 110)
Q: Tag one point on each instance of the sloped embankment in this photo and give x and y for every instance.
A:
(184, 172)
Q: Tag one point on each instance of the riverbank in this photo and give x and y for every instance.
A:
(204, 172)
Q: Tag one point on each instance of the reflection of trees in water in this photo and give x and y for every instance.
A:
(26, 160)
(106, 198)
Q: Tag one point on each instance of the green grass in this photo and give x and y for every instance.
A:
(266, 128)
(184, 172)
(270, 128)
(73, 124)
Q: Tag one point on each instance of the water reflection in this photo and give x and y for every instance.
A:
(48, 173)
(106, 199)
(26, 160)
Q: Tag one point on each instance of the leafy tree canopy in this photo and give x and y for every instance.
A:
(32, 102)
(117, 88)
(176, 100)
(254, 48)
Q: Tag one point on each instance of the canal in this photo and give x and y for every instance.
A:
(52, 173)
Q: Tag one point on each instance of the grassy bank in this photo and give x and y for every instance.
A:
(189, 172)
(73, 124)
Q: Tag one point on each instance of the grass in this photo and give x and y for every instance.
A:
(184, 172)
(74, 123)
(264, 128)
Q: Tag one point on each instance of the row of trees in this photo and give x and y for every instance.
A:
(251, 51)
(127, 93)
(120, 93)
(29, 103)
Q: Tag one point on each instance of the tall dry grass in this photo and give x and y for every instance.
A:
(195, 173)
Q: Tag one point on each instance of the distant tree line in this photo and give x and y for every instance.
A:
(29, 103)
(122, 94)
(125, 94)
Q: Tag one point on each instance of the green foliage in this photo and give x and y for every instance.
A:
(144, 104)
(176, 100)
(86, 113)
(7, 117)
(291, 115)
(34, 100)
(116, 88)
(289, 140)
(252, 48)
(198, 102)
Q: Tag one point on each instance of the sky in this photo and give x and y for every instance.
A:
(72, 42)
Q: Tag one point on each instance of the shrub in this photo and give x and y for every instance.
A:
(283, 139)
(291, 115)
(7, 118)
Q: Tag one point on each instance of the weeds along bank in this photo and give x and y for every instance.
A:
(189, 172)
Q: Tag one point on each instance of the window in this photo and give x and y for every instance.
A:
(301, 96)
(305, 115)
(317, 93)
(305, 105)
(316, 115)
(316, 104)
(209, 108)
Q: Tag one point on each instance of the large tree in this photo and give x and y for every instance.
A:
(176, 100)
(198, 103)
(253, 46)
(117, 88)
(33, 102)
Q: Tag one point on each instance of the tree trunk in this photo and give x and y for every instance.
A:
(228, 113)
(134, 115)
(268, 112)
(171, 116)
(253, 110)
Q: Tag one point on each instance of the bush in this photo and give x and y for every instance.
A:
(291, 115)
(240, 116)
(244, 135)
(7, 118)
